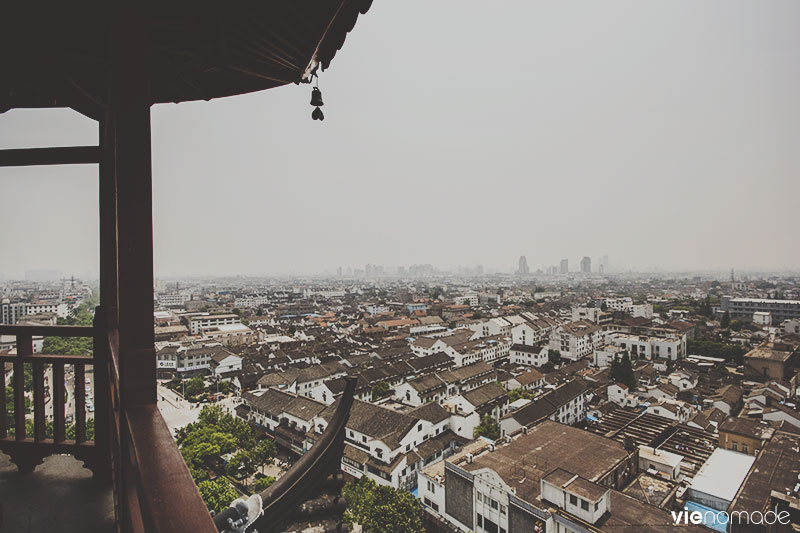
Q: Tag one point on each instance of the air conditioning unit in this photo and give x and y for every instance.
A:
(469, 458)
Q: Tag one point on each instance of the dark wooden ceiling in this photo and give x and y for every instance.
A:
(56, 53)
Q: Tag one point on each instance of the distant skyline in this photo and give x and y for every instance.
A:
(660, 134)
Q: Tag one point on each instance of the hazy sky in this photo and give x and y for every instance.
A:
(462, 132)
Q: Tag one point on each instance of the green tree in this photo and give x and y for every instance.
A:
(435, 292)
(380, 389)
(217, 494)
(726, 320)
(604, 306)
(382, 509)
(10, 406)
(709, 348)
(621, 371)
(263, 483)
(240, 465)
(517, 394)
(194, 386)
(627, 375)
(263, 453)
(488, 428)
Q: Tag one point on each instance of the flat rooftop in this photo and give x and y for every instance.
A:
(546, 447)
(776, 468)
(723, 474)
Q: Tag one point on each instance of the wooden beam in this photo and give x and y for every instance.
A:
(64, 155)
(47, 331)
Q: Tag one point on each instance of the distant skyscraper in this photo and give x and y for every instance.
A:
(564, 266)
(479, 270)
(586, 265)
(605, 263)
(523, 269)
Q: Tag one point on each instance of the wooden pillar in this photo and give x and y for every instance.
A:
(129, 102)
(132, 285)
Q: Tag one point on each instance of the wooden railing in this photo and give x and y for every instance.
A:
(153, 490)
(28, 448)
(132, 448)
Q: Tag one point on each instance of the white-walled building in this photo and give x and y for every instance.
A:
(576, 340)
(197, 323)
(522, 354)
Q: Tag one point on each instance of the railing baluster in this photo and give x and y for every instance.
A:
(4, 410)
(24, 347)
(38, 401)
(58, 402)
(80, 403)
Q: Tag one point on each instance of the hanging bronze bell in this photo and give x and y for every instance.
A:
(316, 97)
(317, 114)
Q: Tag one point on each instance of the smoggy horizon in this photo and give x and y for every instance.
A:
(665, 136)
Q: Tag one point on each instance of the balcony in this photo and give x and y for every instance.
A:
(133, 455)
(111, 62)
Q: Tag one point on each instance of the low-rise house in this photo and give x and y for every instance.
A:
(771, 482)
(660, 462)
(728, 399)
(607, 353)
(528, 381)
(487, 400)
(782, 413)
(466, 378)
(619, 394)
(421, 390)
(285, 416)
(223, 363)
(683, 379)
(566, 404)
(744, 435)
(492, 327)
(383, 444)
(772, 361)
(529, 355)
(675, 410)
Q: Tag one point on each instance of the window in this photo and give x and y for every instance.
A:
(502, 509)
(480, 498)
(597, 506)
(584, 505)
(480, 520)
(573, 499)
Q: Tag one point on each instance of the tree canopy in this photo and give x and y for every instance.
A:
(215, 434)
(621, 371)
(488, 428)
(218, 494)
(382, 509)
